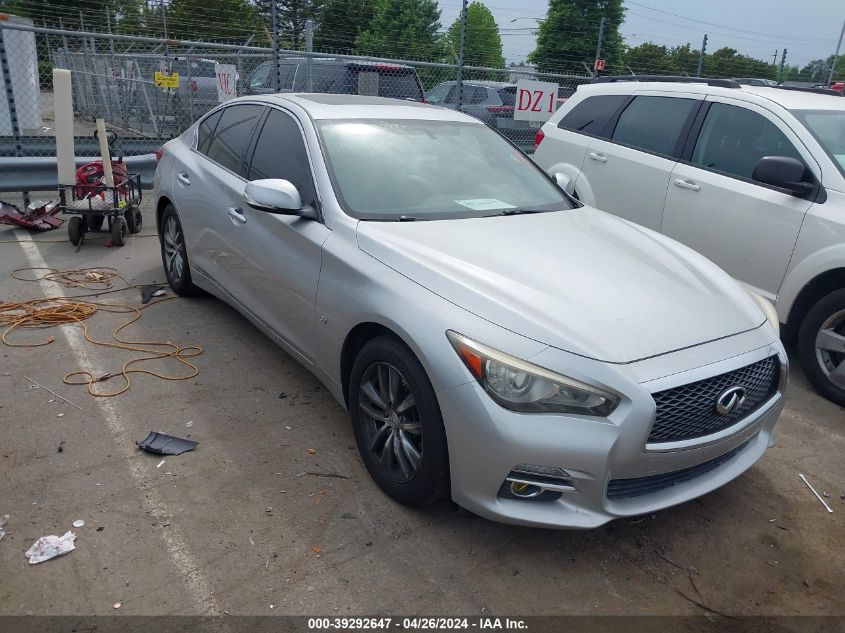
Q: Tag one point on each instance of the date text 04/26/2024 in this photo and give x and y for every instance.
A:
(415, 624)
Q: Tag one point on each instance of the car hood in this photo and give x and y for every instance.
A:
(581, 280)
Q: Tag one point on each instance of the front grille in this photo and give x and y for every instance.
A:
(639, 486)
(689, 411)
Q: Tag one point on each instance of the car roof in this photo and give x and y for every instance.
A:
(484, 83)
(789, 99)
(343, 62)
(344, 106)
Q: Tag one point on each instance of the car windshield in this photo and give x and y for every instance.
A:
(828, 127)
(431, 170)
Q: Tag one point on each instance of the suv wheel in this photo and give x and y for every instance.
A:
(821, 346)
(397, 423)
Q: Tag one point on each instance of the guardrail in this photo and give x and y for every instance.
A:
(39, 173)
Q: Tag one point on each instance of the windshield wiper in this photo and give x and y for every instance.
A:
(516, 212)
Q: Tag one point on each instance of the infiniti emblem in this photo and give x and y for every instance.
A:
(730, 400)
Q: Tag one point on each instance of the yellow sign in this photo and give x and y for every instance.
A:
(164, 80)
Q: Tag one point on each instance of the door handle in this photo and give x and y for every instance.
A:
(599, 157)
(237, 215)
(687, 184)
(183, 179)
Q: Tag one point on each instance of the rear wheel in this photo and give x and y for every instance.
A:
(118, 232)
(397, 423)
(174, 257)
(75, 229)
(134, 220)
(821, 346)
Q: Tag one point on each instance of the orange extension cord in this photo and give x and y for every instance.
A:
(47, 313)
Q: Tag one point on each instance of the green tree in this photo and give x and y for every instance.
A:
(213, 20)
(49, 12)
(568, 36)
(404, 29)
(650, 59)
(291, 16)
(819, 69)
(482, 45)
(339, 24)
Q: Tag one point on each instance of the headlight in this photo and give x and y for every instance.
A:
(768, 309)
(522, 386)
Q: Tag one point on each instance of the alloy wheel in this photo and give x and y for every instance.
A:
(174, 258)
(391, 421)
(830, 348)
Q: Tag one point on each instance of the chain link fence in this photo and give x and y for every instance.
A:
(132, 83)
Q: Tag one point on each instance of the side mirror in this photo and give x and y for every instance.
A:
(275, 195)
(784, 172)
(564, 182)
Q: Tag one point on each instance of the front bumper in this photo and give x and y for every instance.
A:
(486, 442)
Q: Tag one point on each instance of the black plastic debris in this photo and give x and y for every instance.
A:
(162, 444)
(148, 292)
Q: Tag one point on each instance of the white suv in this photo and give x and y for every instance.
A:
(752, 177)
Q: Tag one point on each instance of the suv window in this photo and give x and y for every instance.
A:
(398, 84)
(233, 133)
(206, 130)
(280, 153)
(592, 114)
(439, 93)
(476, 96)
(654, 124)
(734, 139)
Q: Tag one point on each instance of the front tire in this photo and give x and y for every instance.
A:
(397, 423)
(821, 346)
(174, 257)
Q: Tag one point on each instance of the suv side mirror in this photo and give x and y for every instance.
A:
(275, 195)
(784, 172)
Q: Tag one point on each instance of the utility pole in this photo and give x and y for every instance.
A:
(836, 55)
(598, 46)
(459, 75)
(782, 62)
(274, 24)
(775, 58)
(701, 56)
(163, 18)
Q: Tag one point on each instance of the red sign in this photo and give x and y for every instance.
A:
(600, 64)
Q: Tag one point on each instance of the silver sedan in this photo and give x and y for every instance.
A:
(540, 361)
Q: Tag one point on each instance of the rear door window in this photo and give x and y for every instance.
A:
(398, 84)
(232, 136)
(592, 114)
(261, 77)
(280, 153)
(654, 124)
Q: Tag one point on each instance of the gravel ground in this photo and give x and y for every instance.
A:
(235, 527)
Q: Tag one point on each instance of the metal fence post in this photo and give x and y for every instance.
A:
(309, 48)
(274, 24)
(10, 100)
(701, 56)
(459, 73)
(598, 46)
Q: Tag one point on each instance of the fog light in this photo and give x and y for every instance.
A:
(544, 471)
(524, 490)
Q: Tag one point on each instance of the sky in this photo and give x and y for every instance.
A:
(808, 30)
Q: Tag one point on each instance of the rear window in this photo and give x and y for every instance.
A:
(398, 84)
(508, 96)
(592, 114)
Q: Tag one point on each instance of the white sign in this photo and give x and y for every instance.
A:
(535, 100)
(227, 80)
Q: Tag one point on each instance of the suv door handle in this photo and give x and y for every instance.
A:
(599, 157)
(687, 184)
(237, 215)
(183, 179)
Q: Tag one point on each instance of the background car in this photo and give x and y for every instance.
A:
(397, 81)
(489, 101)
(544, 362)
(752, 177)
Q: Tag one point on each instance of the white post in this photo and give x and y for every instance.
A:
(63, 107)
